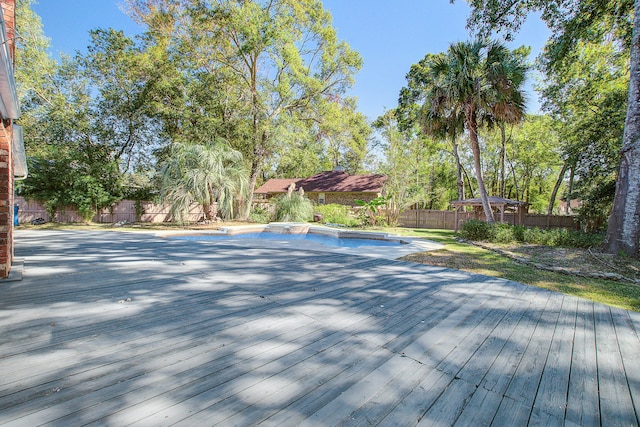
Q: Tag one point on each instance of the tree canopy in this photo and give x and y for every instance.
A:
(575, 23)
(479, 83)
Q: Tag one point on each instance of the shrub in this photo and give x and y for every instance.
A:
(293, 206)
(518, 232)
(505, 233)
(260, 215)
(502, 233)
(535, 236)
(337, 214)
(562, 237)
(475, 229)
(370, 212)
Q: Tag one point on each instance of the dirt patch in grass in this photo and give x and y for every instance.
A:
(575, 260)
(474, 259)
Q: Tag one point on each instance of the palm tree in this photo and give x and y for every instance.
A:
(480, 81)
(439, 125)
(212, 175)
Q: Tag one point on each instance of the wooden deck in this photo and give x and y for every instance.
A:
(120, 329)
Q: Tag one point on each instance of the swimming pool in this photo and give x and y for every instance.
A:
(340, 242)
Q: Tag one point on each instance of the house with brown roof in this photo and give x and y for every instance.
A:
(329, 187)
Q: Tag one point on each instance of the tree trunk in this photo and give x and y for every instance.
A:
(570, 191)
(471, 193)
(456, 156)
(556, 187)
(210, 211)
(515, 181)
(256, 167)
(623, 231)
(503, 158)
(475, 147)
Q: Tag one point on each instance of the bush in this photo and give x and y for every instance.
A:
(535, 236)
(505, 233)
(260, 215)
(502, 233)
(337, 214)
(475, 229)
(293, 207)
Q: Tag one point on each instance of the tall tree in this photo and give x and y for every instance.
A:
(283, 57)
(34, 65)
(587, 96)
(419, 169)
(116, 68)
(68, 166)
(482, 80)
(588, 20)
(414, 109)
(34, 72)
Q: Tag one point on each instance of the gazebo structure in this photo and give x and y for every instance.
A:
(499, 203)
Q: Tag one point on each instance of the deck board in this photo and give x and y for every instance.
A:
(550, 402)
(616, 406)
(582, 398)
(220, 334)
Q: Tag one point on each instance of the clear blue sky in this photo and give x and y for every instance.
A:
(390, 36)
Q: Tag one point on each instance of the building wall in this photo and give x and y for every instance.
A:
(6, 199)
(347, 199)
(6, 162)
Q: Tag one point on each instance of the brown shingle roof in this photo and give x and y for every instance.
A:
(276, 186)
(328, 182)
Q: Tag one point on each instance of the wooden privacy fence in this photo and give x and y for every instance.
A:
(124, 210)
(445, 220)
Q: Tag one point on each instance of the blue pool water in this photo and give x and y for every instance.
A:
(318, 238)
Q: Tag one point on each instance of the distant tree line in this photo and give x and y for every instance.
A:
(208, 94)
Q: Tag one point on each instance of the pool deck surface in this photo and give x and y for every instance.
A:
(111, 328)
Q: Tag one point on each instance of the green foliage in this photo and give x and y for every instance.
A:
(139, 209)
(533, 155)
(476, 83)
(211, 175)
(476, 230)
(596, 205)
(265, 75)
(506, 233)
(578, 26)
(588, 96)
(69, 177)
(337, 214)
(118, 117)
(260, 215)
(139, 186)
(293, 207)
(571, 21)
(418, 169)
(370, 212)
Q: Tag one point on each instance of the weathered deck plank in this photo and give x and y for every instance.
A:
(582, 398)
(616, 406)
(550, 401)
(218, 334)
(629, 345)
